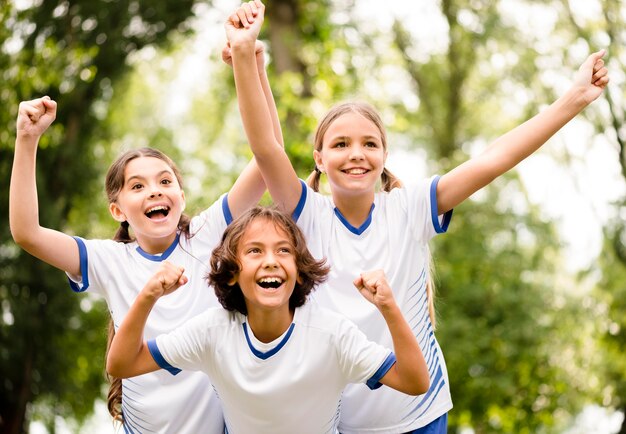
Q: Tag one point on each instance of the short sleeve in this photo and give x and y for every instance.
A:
(419, 201)
(188, 347)
(361, 360)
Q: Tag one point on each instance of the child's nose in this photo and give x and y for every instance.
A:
(356, 152)
(270, 261)
(156, 192)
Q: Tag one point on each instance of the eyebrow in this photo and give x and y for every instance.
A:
(372, 138)
(347, 139)
(143, 177)
(256, 243)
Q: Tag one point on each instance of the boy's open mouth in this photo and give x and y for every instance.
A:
(270, 282)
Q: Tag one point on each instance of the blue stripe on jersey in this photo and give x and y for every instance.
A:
(374, 381)
(228, 216)
(127, 429)
(163, 256)
(295, 215)
(159, 359)
(266, 355)
(84, 271)
(133, 422)
(335, 419)
(428, 399)
(355, 230)
(330, 427)
(418, 317)
(131, 425)
(434, 212)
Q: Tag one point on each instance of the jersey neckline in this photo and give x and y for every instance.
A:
(159, 257)
(355, 230)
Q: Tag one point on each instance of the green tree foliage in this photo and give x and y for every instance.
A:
(518, 340)
(611, 291)
(52, 343)
(605, 28)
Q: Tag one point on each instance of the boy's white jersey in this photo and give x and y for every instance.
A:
(290, 385)
(158, 402)
(395, 239)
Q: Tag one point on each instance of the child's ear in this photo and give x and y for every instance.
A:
(116, 212)
(184, 201)
(317, 156)
(299, 279)
(233, 279)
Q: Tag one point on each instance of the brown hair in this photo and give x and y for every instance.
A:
(225, 264)
(430, 291)
(113, 185)
(114, 397)
(389, 181)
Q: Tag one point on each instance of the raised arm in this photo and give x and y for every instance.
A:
(409, 374)
(129, 355)
(51, 246)
(280, 177)
(250, 185)
(513, 147)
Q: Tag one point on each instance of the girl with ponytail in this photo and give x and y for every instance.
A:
(358, 228)
(146, 196)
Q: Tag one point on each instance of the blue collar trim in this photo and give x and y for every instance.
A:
(164, 255)
(266, 355)
(354, 230)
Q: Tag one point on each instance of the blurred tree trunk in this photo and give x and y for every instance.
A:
(285, 36)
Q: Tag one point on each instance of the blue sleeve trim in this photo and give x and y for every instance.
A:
(228, 216)
(159, 359)
(296, 212)
(84, 271)
(434, 213)
(374, 382)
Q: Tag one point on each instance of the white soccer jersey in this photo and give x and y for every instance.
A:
(394, 238)
(291, 385)
(158, 402)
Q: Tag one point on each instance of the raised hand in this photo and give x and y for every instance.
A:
(592, 77)
(374, 287)
(167, 279)
(259, 51)
(35, 116)
(245, 23)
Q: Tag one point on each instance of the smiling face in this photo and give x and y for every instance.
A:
(268, 271)
(151, 201)
(352, 155)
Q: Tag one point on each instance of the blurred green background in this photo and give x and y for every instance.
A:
(531, 277)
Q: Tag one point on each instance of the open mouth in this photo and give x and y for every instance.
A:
(158, 212)
(270, 282)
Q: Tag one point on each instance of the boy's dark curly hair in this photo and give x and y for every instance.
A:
(225, 265)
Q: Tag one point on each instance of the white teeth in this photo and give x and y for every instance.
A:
(157, 208)
(356, 171)
(270, 280)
